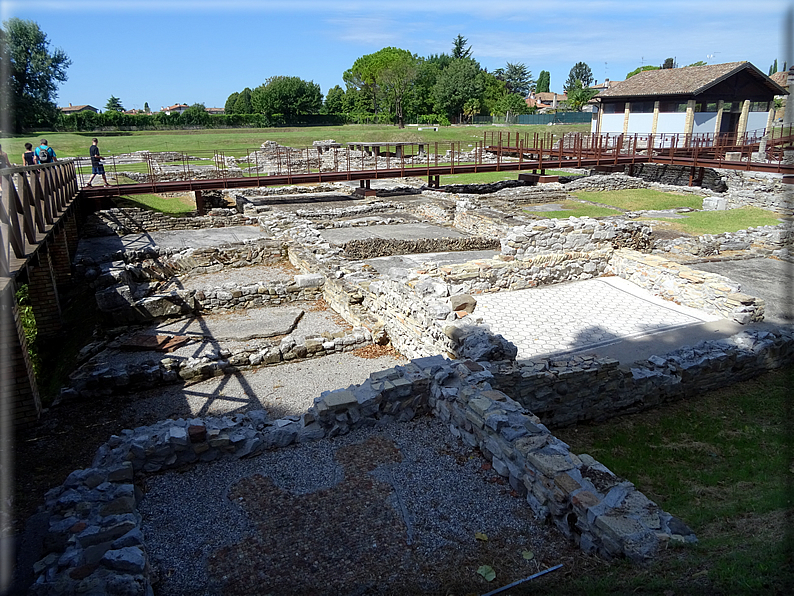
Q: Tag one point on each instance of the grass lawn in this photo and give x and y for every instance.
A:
(239, 141)
(576, 209)
(717, 222)
(642, 199)
(722, 462)
(488, 177)
(178, 205)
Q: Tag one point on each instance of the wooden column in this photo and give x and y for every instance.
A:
(742, 127)
(626, 113)
(718, 123)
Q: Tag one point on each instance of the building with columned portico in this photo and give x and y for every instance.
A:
(734, 97)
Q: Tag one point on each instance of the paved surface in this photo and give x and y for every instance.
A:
(581, 316)
(97, 248)
(414, 231)
(440, 259)
(250, 324)
(769, 279)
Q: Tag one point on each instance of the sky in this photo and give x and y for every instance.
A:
(200, 51)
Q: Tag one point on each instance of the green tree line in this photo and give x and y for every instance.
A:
(392, 85)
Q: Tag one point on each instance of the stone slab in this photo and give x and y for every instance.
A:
(412, 231)
(423, 260)
(581, 316)
(240, 326)
(99, 248)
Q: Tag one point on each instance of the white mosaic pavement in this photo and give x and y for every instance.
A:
(580, 316)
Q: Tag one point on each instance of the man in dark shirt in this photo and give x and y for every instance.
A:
(96, 163)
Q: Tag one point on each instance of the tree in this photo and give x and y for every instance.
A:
(511, 103)
(146, 108)
(242, 104)
(195, 115)
(493, 90)
(34, 73)
(228, 107)
(335, 100)
(773, 68)
(580, 72)
(669, 63)
(698, 63)
(461, 81)
(578, 95)
(459, 47)
(471, 108)
(517, 78)
(544, 82)
(114, 104)
(640, 69)
(286, 98)
(385, 77)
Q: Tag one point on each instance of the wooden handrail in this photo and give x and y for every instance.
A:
(33, 200)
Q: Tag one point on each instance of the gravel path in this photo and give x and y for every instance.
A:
(282, 390)
(389, 510)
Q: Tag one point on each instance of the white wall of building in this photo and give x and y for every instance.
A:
(612, 123)
(672, 122)
(640, 123)
(756, 120)
(704, 122)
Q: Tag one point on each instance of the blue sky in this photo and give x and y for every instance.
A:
(178, 51)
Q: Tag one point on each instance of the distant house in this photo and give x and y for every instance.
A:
(545, 99)
(734, 97)
(599, 87)
(176, 108)
(216, 110)
(70, 109)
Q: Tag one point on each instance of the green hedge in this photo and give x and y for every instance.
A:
(88, 121)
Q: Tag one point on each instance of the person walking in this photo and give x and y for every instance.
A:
(96, 163)
(29, 157)
(45, 153)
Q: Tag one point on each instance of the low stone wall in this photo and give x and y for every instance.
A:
(100, 378)
(757, 189)
(676, 175)
(709, 292)
(379, 247)
(158, 263)
(776, 241)
(581, 234)
(567, 391)
(131, 220)
(124, 305)
(94, 541)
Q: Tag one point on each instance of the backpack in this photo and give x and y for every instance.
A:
(44, 154)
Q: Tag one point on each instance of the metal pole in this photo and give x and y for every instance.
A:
(521, 581)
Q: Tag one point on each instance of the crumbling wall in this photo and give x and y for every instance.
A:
(709, 292)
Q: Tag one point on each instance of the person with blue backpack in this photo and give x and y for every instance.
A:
(44, 153)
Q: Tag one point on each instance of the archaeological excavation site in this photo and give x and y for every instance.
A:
(352, 384)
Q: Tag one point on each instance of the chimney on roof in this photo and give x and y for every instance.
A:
(70, 105)
(554, 102)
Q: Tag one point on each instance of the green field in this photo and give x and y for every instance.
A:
(721, 462)
(240, 141)
(718, 222)
(641, 199)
